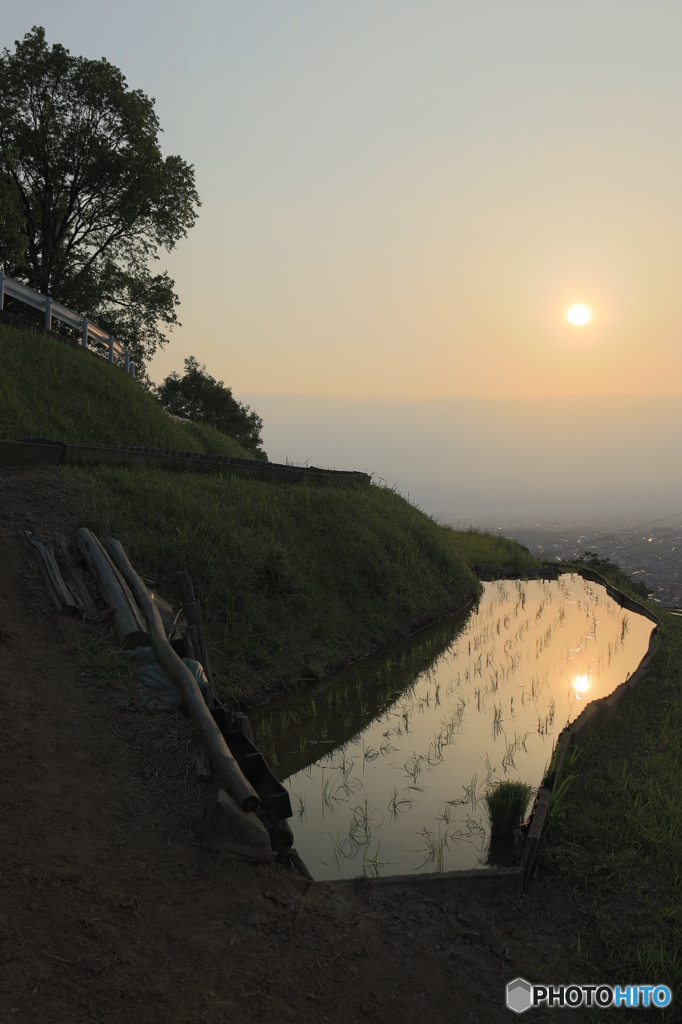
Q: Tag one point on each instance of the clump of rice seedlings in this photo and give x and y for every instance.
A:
(371, 865)
(271, 754)
(301, 808)
(264, 727)
(329, 792)
(623, 628)
(506, 804)
(435, 847)
(413, 765)
(369, 753)
(398, 804)
(552, 709)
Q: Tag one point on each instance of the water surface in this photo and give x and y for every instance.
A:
(387, 763)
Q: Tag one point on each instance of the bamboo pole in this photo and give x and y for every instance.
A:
(57, 588)
(220, 754)
(73, 576)
(125, 618)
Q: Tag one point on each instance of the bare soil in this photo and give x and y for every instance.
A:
(110, 909)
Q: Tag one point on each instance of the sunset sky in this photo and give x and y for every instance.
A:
(403, 200)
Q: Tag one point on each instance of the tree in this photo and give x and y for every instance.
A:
(201, 398)
(90, 198)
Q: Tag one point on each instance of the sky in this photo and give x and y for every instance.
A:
(401, 201)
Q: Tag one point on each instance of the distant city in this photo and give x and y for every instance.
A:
(650, 553)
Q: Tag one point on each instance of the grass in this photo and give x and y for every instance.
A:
(614, 846)
(295, 580)
(506, 804)
(49, 388)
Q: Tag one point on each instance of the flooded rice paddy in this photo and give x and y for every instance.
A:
(387, 763)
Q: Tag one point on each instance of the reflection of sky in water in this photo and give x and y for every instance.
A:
(402, 789)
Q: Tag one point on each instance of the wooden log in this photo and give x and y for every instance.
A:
(73, 577)
(126, 622)
(227, 769)
(43, 551)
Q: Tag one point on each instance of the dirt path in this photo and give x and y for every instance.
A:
(110, 910)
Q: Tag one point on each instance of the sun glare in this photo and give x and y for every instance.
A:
(579, 315)
(581, 684)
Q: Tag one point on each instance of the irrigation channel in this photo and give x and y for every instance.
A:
(387, 763)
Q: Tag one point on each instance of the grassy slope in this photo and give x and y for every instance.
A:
(615, 842)
(296, 580)
(49, 388)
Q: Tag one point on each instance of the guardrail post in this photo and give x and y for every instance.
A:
(85, 332)
(111, 348)
(2, 289)
(127, 359)
(48, 313)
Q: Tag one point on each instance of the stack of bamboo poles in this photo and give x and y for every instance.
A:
(136, 619)
(227, 823)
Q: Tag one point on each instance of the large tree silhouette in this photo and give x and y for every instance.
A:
(88, 198)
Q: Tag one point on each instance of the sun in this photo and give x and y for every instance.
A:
(579, 315)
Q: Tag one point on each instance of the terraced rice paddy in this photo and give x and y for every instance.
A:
(388, 763)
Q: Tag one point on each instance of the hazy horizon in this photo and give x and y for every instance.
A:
(483, 460)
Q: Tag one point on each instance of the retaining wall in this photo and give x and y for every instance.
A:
(70, 453)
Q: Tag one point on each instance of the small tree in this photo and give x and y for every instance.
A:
(201, 398)
(86, 197)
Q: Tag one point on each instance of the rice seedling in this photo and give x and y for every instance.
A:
(435, 847)
(506, 805)
(398, 804)
(330, 791)
(336, 849)
(447, 815)
(413, 766)
(369, 753)
(300, 811)
(371, 865)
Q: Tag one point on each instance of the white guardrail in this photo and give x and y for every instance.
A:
(55, 310)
